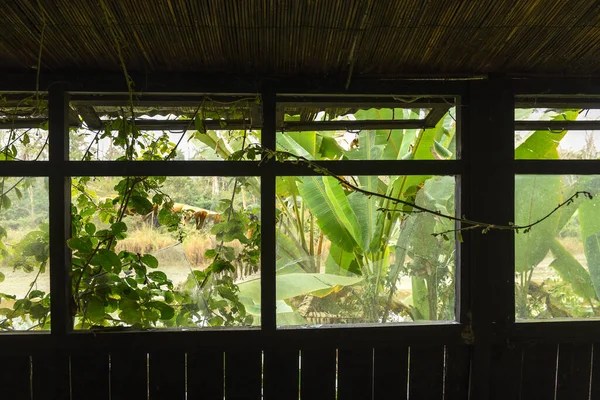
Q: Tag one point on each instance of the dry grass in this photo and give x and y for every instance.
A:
(145, 240)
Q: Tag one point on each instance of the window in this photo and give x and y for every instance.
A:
(183, 214)
(556, 263)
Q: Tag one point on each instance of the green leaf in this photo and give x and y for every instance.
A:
(328, 203)
(80, 244)
(589, 219)
(141, 205)
(35, 294)
(90, 228)
(150, 261)
(536, 196)
(18, 193)
(166, 311)
(443, 152)
(158, 276)
(107, 259)
(95, 310)
(219, 265)
(424, 144)
(571, 271)
(118, 227)
(5, 201)
(2, 277)
(210, 253)
(292, 285)
(366, 212)
(542, 145)
(169, 297)
(340, 262)
(289, 142)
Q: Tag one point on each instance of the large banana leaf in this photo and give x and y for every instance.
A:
(542, 145)
(571, 271)
(327, 201)
(366, 211)
(340, 262)
(589, 219)
(425, 145)
(535, 196)
(287, 142)
(291, 256)
(292, 285)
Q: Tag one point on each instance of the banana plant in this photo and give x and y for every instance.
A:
(535, 195)
(363, 240)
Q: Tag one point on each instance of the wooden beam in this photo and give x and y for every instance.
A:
(435, 115)
(90, 117)
(169, 83)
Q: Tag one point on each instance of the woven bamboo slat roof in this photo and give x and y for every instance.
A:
(288, 38)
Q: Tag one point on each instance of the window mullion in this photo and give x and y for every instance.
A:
(268, 247)
(59, 193)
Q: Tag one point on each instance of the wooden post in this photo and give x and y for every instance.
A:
(488, 195)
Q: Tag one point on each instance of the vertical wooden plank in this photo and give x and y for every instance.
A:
(318, 374)
(456, 386)
(426, 374)
(90, 377)
(574, 369)
(355, 373)
(243, 375)
(129, 376)
(167, 376)
(282, 374)
(595, 385)
(15, 377)
(390, 375)
(205, 375)
(539, 372)
(507, 365)
(50, 377)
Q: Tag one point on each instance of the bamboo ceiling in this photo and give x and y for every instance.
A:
(286, 38)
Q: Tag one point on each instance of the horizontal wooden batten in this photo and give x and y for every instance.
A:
(557, 102)
(553, 331)
(354, 126)
(375, 167)
(232, 168)
(159, 168)
(546, 87)
(365, 102)
(556, 126)
(89, 342)
(557, 167)
(290, 126)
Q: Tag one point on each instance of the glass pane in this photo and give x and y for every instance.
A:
(337, 134)
(161, 252)
(557, 144)
(206, 130)
(557, 261)
(343, 257)
(24, 254)
(23, 127)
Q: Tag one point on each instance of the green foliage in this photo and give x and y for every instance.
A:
(348, 244)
